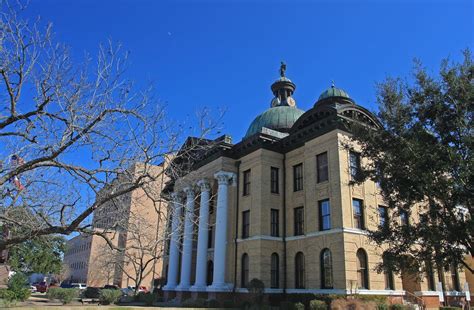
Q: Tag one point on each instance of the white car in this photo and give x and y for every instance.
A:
(81, 286)
(33, 289)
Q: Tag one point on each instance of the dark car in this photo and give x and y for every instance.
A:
(41, 287)
(111, 287)
(91, 292)
(65, 285)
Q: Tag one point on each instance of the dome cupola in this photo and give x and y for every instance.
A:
(334, 94)
(283, 112)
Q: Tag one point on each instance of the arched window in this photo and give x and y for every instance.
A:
(245, 270)
(210, 272)
(275, 271)
(362, 270)
(299, 270)
(326, 269)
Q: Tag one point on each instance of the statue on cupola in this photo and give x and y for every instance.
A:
(283, 90)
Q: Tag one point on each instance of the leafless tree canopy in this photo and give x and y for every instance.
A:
(67, 131)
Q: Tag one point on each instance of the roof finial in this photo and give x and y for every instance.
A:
(332, 84)
(282, 69)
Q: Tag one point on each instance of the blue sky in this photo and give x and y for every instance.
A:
(226, 54)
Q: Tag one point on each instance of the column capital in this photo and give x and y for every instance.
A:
(224, 177)
(189, 191)
(176, 197)
(204, 184)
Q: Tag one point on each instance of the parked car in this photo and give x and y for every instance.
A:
(111, 287)
(80, 286)
(128, 291)
(141, 289)
(65, 285)
(41, 287)
(91, 292)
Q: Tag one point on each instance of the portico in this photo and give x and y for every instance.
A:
(184, 227)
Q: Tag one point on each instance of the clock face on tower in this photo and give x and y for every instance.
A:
(275, 102)
(291, 101)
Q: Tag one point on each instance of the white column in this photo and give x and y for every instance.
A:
(186, 259)
(203, 234)
(223, 179)
(173, 259)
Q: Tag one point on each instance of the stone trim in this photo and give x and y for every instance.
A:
(328, 232)
(427, 293)
(381, 292)
(260, 237)
(316, 291)
(454, 293)
(347, 292)
(309, 235)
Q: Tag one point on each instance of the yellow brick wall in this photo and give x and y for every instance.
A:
(343, 239)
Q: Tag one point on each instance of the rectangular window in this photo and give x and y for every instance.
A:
(354, 165)
(383, 217)
(358, 209)
(324, 215)
(298, 177)
(322, 166)
(404, 221)
(456, 286)
(275, 222)
(245, 224)
(209, 238)
(211, 203)
(389, 283)
(246, 183)
(299, 221)
(274, 180)
(430, 276)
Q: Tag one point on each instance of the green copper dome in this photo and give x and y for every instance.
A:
(280, 118)
(333, 92)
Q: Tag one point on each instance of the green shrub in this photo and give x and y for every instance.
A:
(259, 307)
(380, 301)
(376, 298)
(195, 303)
(18, 285)
(7, 295)
(149, 298)
(212, 303)
(108, 297)
(316, 304)
(450, 308)
(17, 281)
(65, 295)
(228, 304)
(327, 298)
(299, 306)
(382, 307)
(400, 307)
(286, 305)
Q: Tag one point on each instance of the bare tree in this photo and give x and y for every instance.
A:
(140, 253)
(69, 131)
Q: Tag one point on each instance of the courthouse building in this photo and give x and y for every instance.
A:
(279, 206)
(136, 222)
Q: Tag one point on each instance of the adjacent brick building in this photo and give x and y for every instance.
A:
(136, 222)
